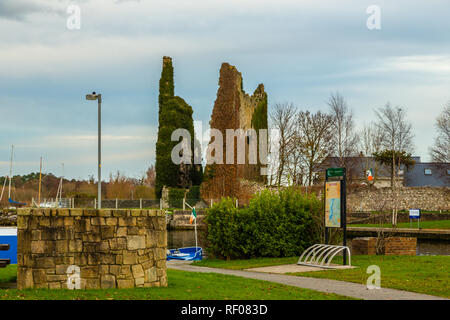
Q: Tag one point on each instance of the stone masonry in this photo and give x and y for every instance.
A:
(233, 109)
(424, 198)
(111, 248)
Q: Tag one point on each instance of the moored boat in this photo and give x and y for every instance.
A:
(187, 253)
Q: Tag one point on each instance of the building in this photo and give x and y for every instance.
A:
(421, 174)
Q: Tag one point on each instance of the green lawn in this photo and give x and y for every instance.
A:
(438, 224)
(182, 285)
(245, 263)
(423, 274)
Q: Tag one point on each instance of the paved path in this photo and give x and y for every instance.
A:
(343, 288)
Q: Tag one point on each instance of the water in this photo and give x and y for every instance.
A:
(186, 238)
(429, 247)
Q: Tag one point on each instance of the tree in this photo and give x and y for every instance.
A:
(344, 139)
(149, 178)
(440, 152)
(283, 120)
(397, 131)
(174, 113)
(370, 143)
(398, 138)
(401, 158)
(313, 140)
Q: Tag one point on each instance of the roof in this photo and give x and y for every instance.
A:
(414, 176)
(438, 175)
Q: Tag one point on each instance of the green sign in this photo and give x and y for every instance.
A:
(335, 172)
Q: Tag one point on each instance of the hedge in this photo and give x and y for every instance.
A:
(176, 197)
(275, 224)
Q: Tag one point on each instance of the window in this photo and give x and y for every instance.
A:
(427, 172)
(448, 172)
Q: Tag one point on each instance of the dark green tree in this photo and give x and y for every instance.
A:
(174, 113)
(386, 157)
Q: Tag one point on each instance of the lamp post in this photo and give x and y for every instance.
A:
(98, 97)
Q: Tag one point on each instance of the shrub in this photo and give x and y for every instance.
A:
(193, 195)
(275, 224)
(176, 197)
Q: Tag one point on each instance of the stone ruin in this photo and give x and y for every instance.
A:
(233, 109)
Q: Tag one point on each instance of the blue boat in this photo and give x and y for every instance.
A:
(8, 235)
(187, 253)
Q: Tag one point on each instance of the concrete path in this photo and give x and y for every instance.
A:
(343, 288)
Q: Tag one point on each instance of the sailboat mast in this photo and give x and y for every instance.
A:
(40, 181)
(10, 171)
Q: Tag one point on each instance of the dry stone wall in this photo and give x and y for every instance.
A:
(94, 249)
(424, 198)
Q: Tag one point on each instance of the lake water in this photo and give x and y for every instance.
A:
(186, 238)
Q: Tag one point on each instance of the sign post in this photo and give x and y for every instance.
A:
(414, 214)
(336, 204)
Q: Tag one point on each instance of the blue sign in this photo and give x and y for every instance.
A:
(414, 213)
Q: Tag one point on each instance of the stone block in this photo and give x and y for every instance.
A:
(39, 276)
(150, 275)
(129, 257)
(137, 270)
(136, 242)
(108, 281)
(125, 283)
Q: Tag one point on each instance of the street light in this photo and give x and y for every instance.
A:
(95, 96)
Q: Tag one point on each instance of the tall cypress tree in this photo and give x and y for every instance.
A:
(174, 113)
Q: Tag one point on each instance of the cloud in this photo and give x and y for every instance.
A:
(20, 9)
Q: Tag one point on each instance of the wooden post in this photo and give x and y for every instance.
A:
(140, 203)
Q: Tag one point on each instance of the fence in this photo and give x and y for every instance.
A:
(122, 203)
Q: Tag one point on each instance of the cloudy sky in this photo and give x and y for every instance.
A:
(301, 50)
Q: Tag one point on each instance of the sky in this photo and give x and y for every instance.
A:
(301, 51)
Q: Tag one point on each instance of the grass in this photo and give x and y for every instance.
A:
(182, 285)
(245, 263)
(438, 224)
(8, 274)
(422, 274)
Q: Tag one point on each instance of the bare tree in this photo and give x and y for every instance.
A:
(313, 140)
(371, 139)
(283, 119)
(440, 152)
(397, 131)
(150, 177)
(397, 137)
(345, 140)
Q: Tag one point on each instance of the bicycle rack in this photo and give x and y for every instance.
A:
(320, 255)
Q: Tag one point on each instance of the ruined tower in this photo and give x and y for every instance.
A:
(235, 109)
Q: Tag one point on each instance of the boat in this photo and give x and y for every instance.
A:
(187, 254)
(8, 235)
(14, 204)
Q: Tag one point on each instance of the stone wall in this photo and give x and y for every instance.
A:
(424, 198)
(109, 248)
